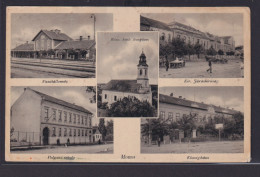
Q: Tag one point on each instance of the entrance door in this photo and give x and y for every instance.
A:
(45, 136)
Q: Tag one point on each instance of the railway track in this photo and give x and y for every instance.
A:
(64, 68)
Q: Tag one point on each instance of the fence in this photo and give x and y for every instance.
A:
(19, 138)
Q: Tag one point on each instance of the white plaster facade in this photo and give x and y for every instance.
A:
(52, 121)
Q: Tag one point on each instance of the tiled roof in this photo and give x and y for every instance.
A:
(192, 104)
(123, 86)
(153, 23)
(60, 102)
(85, 44)
(24, 47)
(53, 35)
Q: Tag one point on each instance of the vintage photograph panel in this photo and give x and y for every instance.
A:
(55, 45)
(127, 74)
(198, 45)
(196, 120)
(57, 120)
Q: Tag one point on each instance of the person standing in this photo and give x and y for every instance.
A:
(167, 64)
(210, 66)
(159, 141)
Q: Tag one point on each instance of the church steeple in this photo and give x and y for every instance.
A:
(142, 59)
(142, 72)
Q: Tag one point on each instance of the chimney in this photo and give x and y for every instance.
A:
(171, 94)
(180, 97)
(88, 37)
(57, 31)
(80, 38)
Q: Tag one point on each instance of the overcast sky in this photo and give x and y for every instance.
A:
(24, 26)
(119, 59)
(221, 24)
(231, 97)
(77, 95)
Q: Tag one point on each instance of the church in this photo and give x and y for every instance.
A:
(139, 88)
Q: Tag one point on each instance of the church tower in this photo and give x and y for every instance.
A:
(142, 73)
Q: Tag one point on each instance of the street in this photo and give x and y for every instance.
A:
(80, 149)
(197, 69)
(198, 147)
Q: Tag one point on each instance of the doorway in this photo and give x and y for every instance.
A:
(45, 133)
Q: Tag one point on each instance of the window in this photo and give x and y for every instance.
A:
(115, 98)
(141, 72)
(53, 114)
(78, 132)
(169, 38)
(184, 38)
(145, 72)
(86, 121)
(105, 96)
(86, 132)
(53, 131)
(59, 131)
(162, 115)
(198, 41)
(70, 115)
(163, 37)
(82, 133)
(82, 120)
(90, 122)
(177, 115)
(65, 116)
(60, 114)
(70, 133)
(46, 113)
(170, 116)
(78, 119)
(74, 121)
(74, 132)
(65, 131)
(178, 36)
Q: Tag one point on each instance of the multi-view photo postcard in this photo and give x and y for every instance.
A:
(86, 85)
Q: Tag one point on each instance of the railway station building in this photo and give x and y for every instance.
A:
(55, 44)
(41, 119)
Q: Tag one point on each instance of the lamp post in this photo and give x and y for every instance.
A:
(94, 18)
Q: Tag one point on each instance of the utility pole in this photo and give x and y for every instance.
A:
(94, 18)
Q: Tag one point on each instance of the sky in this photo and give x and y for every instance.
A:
(231, 97)
(77, 95)
(24, 26)
(220, 24)
(119, 59)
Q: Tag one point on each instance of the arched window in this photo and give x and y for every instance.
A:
(163, 37)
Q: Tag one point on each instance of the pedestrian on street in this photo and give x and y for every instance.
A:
(167, 64)
(159, 141)
(210, 66)
(242, 66)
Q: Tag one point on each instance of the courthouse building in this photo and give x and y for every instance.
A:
(168, 32)
(54, 121)
(139, 88)
(55, 44)
(173, 108)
